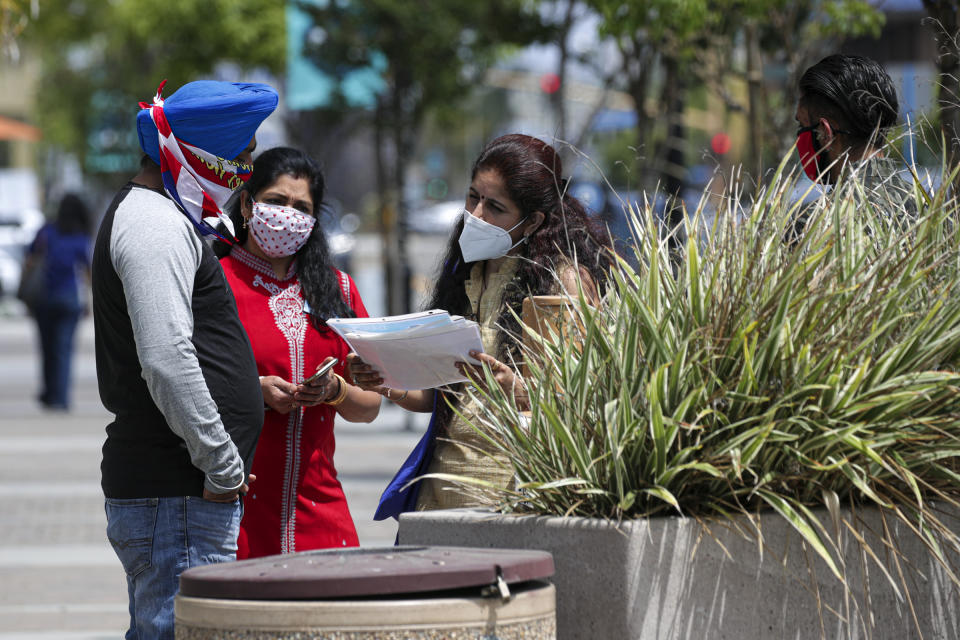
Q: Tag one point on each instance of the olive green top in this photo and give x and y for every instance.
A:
(460, 449)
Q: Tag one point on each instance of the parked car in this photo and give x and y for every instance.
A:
(339, 229)
(17, 230)
(20, 219)
(434, 218)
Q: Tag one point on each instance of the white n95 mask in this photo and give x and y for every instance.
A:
(481, 240)
(280, 231)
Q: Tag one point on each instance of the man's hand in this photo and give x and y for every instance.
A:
(230, 496)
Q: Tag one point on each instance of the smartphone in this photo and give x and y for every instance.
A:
(321, 372)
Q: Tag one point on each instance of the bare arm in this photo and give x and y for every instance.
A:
(357, 405)
(367, 378)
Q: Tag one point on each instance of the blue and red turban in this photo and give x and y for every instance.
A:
(195, 135)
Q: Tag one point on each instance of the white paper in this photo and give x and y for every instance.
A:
(412, 351)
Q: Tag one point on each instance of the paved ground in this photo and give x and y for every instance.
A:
(59, 579)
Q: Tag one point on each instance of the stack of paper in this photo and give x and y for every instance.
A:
(412, 351)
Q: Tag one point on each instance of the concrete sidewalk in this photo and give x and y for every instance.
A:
(59, 578)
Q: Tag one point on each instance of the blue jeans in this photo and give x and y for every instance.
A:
(156, 539)
(57, 323)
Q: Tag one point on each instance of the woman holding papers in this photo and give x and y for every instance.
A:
(521, 234)
(286, 287)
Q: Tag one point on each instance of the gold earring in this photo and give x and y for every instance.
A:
(244, 223)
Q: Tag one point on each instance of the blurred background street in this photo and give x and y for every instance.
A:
(656, 101)
(59, 578)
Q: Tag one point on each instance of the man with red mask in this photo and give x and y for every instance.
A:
(847, 104)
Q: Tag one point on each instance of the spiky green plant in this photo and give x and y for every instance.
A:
(756, 374)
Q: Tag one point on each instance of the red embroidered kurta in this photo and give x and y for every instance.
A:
(296, 502)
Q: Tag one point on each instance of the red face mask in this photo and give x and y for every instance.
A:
(807, 146)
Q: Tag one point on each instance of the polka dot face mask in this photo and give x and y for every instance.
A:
(280, 231)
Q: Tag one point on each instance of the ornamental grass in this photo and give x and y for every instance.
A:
(746, 373)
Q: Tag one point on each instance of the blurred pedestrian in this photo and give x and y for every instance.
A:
(286, 287)
(61, 250)
(847, 106)
(174, 364)
(521, 234)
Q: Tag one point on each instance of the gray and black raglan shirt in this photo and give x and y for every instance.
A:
(174, 364)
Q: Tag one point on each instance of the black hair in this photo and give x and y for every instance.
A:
(73, 216)
(319, 282)
(853, 91)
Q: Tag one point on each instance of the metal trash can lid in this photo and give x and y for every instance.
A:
(363, 572)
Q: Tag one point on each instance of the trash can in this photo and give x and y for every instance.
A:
(372, 593)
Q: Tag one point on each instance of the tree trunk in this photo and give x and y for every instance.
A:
(557, 97)
(598, 106)
(636, 64)
(672, 166)
(944, 12)
(406, 119)
(400, 284)
(388, 212)
(754, 88)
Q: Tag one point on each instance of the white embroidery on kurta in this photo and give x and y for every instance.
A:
(286, 304)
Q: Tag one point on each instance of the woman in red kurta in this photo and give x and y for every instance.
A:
(285, 288)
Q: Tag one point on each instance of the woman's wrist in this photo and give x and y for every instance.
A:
(341, 393)
(396, 399)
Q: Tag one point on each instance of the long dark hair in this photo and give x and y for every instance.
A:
(319, 282)
(533, 175)
(73, 216)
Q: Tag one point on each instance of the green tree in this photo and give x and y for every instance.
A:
(430, 54)
(99, 59)
(669, 47)
(945, 19)
(656, 40)
(794, 35)
(14, 17)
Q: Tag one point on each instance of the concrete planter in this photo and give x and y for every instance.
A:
(669, 578)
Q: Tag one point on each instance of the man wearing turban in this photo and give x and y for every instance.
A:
(174, 364)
